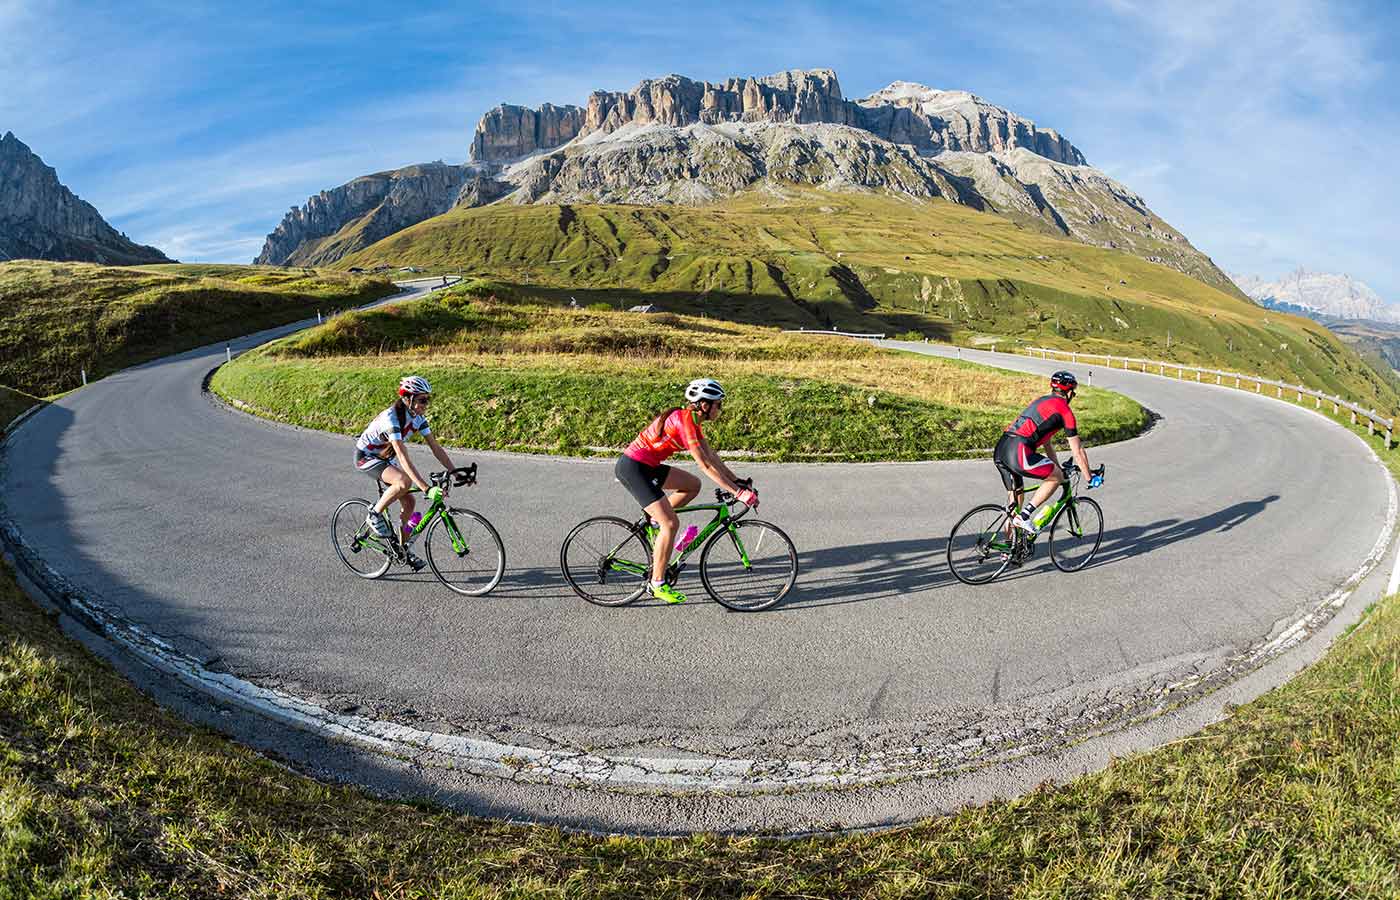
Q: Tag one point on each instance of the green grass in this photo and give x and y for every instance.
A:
(511, 374)
(103, 793)
(12, 403)
(59, 318)
(878, 263)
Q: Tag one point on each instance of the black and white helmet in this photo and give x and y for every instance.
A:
(703, 389)
(414, 384)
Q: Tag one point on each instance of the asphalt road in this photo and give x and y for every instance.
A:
(1231, 519)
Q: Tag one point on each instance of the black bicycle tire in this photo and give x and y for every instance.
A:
(578, 589)
(1098, 539)
(495, 537)
(948, 550)
(723, 533)
(340, 552)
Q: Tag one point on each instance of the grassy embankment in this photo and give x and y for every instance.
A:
(58, 318)
(514, 374)
(877, 263)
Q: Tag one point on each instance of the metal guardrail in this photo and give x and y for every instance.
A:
(1240, 378)
(850, 334)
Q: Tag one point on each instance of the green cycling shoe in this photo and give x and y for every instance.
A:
(668, 593)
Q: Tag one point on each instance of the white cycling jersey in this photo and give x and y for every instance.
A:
(390, 426)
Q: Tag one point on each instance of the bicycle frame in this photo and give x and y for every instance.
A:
(723, 518)
(397, 545)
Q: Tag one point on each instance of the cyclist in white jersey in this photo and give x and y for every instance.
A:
(381, 452)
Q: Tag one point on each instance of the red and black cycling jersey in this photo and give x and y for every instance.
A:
(1043, 418)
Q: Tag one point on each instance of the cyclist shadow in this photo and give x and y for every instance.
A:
(860, 572)
(1129, 541)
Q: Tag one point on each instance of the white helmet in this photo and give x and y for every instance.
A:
(703, 389)
(414, 384)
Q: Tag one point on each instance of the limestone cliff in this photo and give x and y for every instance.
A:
(342, 220)
(42, 219)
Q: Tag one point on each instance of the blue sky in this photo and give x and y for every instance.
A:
(1263, 131)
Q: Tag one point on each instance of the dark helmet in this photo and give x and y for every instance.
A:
(1063, 381)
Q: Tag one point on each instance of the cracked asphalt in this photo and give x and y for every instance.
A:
(1231, 519)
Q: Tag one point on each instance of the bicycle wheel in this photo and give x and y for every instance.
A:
(980, 545)
(465, 552)
(353, 542)
(1075, 534)
(751, 570)
(606, 561)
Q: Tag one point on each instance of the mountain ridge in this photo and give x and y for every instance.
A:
(40, 218)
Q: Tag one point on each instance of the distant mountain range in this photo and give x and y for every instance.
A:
(674, 140)
(1319, 294)
(42, 219)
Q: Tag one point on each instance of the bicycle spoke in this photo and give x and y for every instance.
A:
(362, 552)
(981, 545)
(465, 552)
(605, 561)
(750, 567)
(1075, 535)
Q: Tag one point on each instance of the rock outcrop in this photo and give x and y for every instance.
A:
(903, 113)
(936, 121)
(340, 221)
(509, 132)
(42, 219)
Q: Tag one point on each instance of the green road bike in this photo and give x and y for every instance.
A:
(746, 564)
(984, 543)
(463, 549)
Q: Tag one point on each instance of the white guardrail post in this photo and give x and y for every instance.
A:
(1372, 420)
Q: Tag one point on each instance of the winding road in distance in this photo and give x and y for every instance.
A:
(194, 538)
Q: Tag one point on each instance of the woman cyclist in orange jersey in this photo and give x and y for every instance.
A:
(642, 470)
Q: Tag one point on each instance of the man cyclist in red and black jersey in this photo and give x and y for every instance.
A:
(1017, 452)
(659, 488)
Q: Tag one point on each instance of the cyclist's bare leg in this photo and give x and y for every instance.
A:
(667, 520)
(399, 488)
(1048, 487)
(682, 487)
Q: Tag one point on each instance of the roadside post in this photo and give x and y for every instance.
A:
(84, 374)
(228, 354)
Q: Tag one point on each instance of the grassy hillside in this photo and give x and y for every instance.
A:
(12, 403)
(514, 374)
(858, 261)
(57, 318)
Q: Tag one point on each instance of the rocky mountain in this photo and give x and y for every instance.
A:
(674, 140)
(930, 120)
(42, 219)
(1323, 293)
(337, 222)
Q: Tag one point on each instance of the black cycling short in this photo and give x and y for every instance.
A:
(644, 482)
(1017, 457)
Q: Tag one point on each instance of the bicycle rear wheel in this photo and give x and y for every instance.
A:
(465, 552)
(606, 561)
(749, 566)
(981, 544)
(1075, 534)
(357, 547)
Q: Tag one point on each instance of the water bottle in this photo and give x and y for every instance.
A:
(413, 521)
(690, 532)
(1047, 512)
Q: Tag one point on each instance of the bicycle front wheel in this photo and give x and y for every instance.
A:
(749, 566)
(1075, 534)
(981, 544)
(358, 547)
(465, 552)
(606, 561)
